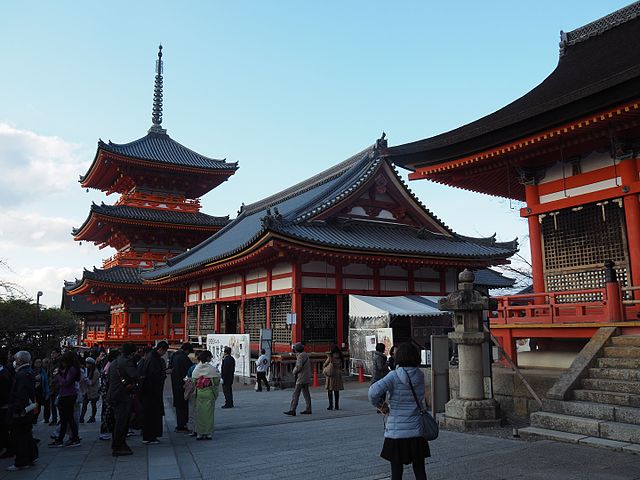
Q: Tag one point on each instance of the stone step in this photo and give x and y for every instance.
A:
(626, 374)
(599, 411)
(558, 436)
(607, 385)
(622, 352)
(566, 423)
(626, 340)
(618, 362)
(590, 427)
(612, 398)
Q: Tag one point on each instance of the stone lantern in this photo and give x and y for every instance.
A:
(471, 409)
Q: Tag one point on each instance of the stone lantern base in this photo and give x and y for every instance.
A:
(462, 415)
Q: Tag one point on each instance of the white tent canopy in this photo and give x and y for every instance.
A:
(413, 306)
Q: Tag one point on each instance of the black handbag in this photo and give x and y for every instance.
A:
(428, 424)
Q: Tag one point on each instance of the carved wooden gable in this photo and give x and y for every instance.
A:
(385, 199)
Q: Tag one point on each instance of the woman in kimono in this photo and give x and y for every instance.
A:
(207, 380)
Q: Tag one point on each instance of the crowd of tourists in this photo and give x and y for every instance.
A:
(66, 386)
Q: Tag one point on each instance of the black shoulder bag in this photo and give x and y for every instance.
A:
(428, 424)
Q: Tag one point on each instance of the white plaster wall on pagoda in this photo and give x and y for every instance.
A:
(574, 192)
(394, 271)
(258, 287)
(357, 283)
(318, 282)
(230, 286)
(281, 268)
(318, 267)
(281, 283)
(426, 272)
(358, 211)
(589, 163)
(208, 290)
(256, 273)
(385, 214)
(194, 292)
(451, 280)
(394, 285)
(357, 269)
(426, 287)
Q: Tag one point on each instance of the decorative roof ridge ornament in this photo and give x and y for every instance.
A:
(156, 115)
(599, 26)
(381, 144)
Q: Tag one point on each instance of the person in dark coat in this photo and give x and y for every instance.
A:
(123, 379)
(227, 376)
(154, 373)
(180, 365)
(21, 408)
(5, 390)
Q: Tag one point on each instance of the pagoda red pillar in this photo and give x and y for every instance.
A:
(535, 240)
(629, 175)
(296, 304)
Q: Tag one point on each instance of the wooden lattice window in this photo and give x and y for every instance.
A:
(319, 319)
(280, 306)
(255, 317)
(577, 241)
(192, 320)
(207, 318)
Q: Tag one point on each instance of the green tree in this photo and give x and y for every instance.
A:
(22, 326)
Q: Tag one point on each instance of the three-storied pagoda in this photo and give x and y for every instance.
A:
(156, 217)
(569, 149)
(352, 229)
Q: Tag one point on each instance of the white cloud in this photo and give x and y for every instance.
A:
(19, 230)
(34, 165)
(48, 280)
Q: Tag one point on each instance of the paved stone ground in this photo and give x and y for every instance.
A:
(256, 441)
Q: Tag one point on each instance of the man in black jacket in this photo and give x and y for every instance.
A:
(154, 373)
(180, 365)
(123, 380)
(21, 408)
(227, 375)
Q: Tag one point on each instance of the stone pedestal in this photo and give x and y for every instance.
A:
(471, 410)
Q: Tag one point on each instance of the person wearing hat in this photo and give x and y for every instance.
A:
(302, 374)
(180, 365)
(90, 388)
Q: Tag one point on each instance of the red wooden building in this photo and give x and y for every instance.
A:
(352, 229)
(569, 149)
(156, 217)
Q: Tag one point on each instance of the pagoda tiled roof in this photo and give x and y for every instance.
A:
(598, 68)
(160, 147)
(490, 278)
(290, 214)
(153, 215)
(122, 275)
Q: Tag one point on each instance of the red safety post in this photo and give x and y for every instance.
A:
(360, 374)
(315, 378)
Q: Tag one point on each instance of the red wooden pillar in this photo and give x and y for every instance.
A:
(185, 332)
(243, 290)
(268, 299)
(296, 303)
(198, 319)
(535, 239)
(376, 280)
(339, 320)
(411, 283)
(507, 342)
(629, 175)
(216, 317)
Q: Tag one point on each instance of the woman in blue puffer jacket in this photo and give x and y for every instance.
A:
(403, 442)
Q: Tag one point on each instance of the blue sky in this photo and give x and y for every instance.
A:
(285, 88)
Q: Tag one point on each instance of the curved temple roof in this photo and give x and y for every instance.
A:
(160, 147)
(196, 219)
(290, 213)
(599, 67)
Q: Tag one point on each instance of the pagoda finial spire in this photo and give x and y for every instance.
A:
(156, 116)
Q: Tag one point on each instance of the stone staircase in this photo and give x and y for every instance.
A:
(604, 409)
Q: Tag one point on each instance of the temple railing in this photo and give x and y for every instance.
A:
(552, 308)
